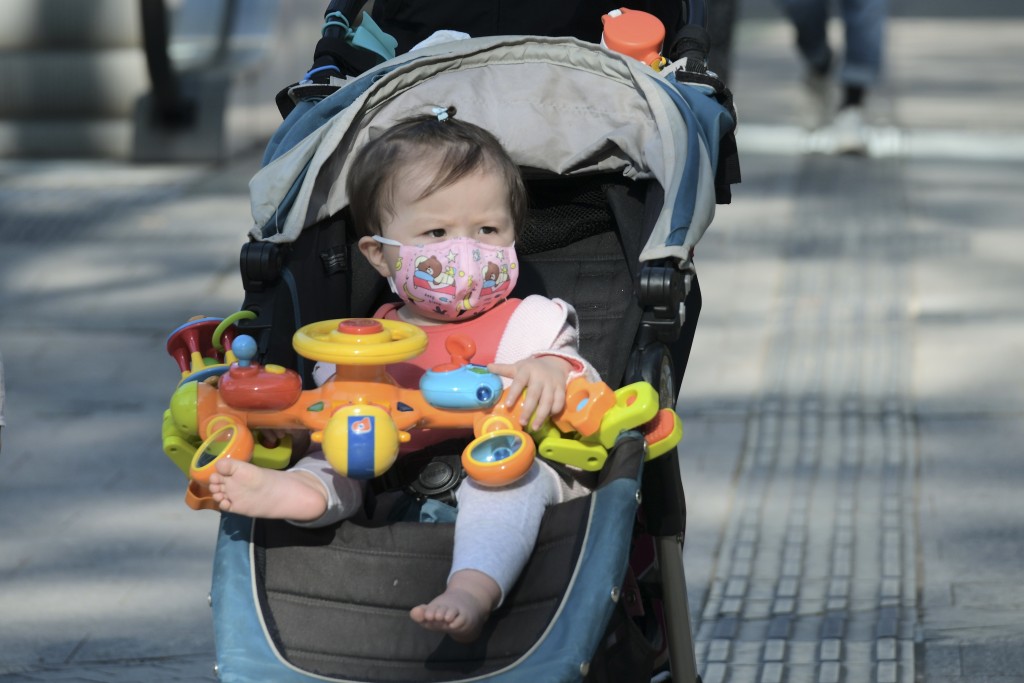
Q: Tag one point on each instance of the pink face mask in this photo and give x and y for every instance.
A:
(456, 278)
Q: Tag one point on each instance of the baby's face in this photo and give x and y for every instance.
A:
(475, 206)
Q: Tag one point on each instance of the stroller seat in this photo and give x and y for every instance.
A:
(334, 602)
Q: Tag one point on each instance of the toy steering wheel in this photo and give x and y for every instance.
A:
(359, 341)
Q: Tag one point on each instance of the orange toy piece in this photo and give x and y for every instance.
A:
(360, 416)
(586, 405)
(227, 439)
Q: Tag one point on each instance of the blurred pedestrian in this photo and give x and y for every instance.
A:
(864, 29)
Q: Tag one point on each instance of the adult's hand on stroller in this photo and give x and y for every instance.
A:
(543, 378)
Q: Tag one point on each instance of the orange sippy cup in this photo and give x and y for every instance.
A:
(636, 34)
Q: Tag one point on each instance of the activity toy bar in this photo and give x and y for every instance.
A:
(360, 416)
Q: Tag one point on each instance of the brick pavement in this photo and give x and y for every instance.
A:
(815, 575)
(865, 527)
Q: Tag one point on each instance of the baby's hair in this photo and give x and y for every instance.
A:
(459, 148)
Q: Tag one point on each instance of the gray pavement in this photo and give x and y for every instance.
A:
(853, 406)
(854, 398)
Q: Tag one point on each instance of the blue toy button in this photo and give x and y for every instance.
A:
(496, 449)
(470, 387)
(244, 347)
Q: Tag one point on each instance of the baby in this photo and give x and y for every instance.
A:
(434, 187)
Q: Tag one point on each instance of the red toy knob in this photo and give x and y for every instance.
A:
(460, 348)
(360, 326)
(269, 387)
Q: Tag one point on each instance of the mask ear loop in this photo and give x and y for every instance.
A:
(390, 243)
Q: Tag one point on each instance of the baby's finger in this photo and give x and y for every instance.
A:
(543, 407)
(502, 369)
(558, 401)
(515, 392)
(515, 388)
(529, 405)
(544, 402)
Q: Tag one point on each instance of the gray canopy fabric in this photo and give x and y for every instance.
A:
(557, 104)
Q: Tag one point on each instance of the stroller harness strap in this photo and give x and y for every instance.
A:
(559, 105)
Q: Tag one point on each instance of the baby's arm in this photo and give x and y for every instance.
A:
(538, 352)
(543, 378)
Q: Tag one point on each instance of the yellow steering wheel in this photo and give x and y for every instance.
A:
(359, 341)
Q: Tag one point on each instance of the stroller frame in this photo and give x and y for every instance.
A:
(275, 270)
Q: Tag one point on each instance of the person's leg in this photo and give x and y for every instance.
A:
(309, 494)
(864, 23)
(810, 19)
(494, 535)
(246, 489)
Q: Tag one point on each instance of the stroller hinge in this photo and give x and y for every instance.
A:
(662, 290)
(260, 265)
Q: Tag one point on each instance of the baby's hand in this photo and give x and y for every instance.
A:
(543, 378)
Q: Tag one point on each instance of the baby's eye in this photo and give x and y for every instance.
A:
(488, 230)
(436, 233)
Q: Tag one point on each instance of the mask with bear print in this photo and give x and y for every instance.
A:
(453, 279)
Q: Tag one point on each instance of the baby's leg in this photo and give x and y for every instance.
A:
(309, 494)
(246, 489)
(463, 608)
(494, 535)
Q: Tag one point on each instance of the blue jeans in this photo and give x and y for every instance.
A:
(864, 24)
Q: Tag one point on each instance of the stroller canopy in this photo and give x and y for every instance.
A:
(559, 105)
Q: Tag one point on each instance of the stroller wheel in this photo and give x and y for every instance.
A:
(653, 364)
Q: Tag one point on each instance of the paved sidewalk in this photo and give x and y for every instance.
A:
(855, 394)
(103, 570)
(853, 406)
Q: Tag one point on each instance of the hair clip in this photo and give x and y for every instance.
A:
(442, 113)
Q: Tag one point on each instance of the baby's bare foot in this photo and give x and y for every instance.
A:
(246, 489)
(463, 608)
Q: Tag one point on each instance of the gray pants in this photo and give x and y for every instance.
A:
(864, 26)
(495, 530)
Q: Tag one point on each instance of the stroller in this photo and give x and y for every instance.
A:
(623, 169)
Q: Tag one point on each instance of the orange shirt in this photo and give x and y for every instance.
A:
(485, 330)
